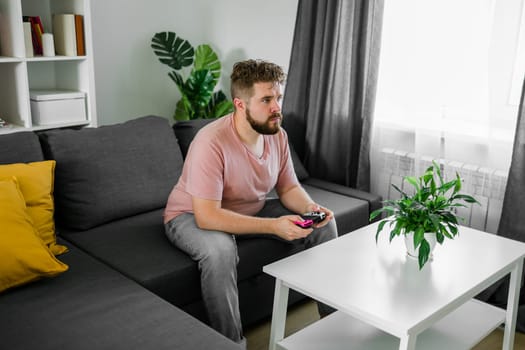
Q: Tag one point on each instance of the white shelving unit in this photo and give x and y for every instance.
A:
(19, 74)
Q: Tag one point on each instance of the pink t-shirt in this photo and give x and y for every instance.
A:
(219, 167)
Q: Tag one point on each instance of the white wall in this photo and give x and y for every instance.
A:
(129, 79)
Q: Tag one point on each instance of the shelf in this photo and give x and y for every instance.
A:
(21, 74)
(11, 129)
(4, 59)
(16, 128)
(461, 329)
(54, 58)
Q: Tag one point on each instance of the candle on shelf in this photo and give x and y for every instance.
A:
(48, 44)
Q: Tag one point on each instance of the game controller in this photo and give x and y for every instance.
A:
(315, 216)
(305, 223)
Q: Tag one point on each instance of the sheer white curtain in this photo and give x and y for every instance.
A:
(445, 93)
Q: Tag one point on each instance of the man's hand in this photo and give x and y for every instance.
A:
(316, 207)
(286, 228)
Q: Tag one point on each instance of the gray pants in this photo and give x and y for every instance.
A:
(217, 258)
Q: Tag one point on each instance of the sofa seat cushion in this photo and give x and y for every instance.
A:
(374, 201)
(95, 307)
(138, 248)
(111, 172)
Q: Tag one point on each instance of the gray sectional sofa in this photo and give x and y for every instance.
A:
(127, 287)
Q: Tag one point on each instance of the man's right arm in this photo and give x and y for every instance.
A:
(209, 215)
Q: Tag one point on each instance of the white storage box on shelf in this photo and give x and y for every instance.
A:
(57, 106)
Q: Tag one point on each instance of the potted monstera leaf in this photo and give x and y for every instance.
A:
(427, 215)
(198, 96)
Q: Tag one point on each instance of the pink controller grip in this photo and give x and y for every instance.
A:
(305, 223)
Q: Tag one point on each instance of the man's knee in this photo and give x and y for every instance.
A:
(329, 230)
(323, 234)
(221, 253)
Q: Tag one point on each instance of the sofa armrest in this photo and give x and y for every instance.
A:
(374, 201)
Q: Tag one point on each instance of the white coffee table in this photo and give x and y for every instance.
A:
(385, 302)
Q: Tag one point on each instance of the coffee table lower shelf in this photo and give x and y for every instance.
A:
(461, 329)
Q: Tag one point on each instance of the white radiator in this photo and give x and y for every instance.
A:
(486, 185)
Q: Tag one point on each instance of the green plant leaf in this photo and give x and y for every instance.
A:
(396, 231)
(466, 198)
(393, 233)
(220, 109)
(183, 110)
(428, 175)
(198, 88)
(440, 237)
(375, 214)
(399, 190)
(453, 229)
(413, 181)
(419, 236)
(447, 186)
(177, 78)
(424, 252)
(457, 188)
(380, 228)
(219, 105)
(206, 58)
(437, 169)
(172, 51)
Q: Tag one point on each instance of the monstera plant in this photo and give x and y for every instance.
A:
(198, 96)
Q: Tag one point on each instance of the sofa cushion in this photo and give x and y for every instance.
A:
(111, 172)
(23, 255)
(137, 246)
(20, 147)
(36, 183)
(95, 307)
(374, 201)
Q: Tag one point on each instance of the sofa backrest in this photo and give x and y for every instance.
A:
(112, 172)
(20, 147)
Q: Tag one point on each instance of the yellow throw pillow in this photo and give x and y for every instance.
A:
(23, 255)
(36, 182)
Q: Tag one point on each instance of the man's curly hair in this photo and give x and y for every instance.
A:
(246, 73)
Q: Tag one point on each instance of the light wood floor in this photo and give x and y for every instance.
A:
(306, 313)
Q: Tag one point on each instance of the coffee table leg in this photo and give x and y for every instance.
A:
(408, 342)
(512, 306)
(280, 303)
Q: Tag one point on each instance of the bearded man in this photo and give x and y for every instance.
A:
(231, 166)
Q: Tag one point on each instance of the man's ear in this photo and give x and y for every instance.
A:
(239, 104)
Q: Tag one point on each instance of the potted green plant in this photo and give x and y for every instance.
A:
(429, 213)
(198, 98)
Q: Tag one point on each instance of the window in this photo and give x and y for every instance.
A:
(452, 66)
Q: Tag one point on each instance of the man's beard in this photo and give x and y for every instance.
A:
(264, 128)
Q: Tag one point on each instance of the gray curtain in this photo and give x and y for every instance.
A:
(512, 222)
(330, 90)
